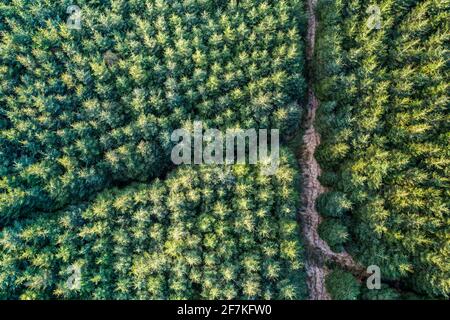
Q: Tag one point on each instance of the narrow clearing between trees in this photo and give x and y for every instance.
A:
(318, 251)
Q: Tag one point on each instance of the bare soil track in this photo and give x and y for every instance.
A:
(318, 251)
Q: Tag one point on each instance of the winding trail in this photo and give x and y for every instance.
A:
(318, 251)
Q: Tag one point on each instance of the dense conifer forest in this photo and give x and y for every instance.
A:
(384, 124)
(93, 207)
(74, 122)
(204, 232)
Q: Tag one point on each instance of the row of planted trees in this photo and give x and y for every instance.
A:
(85, 109)
(211, 232)
(384, 126)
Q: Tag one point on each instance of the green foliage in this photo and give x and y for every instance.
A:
(334, 233)
(342, 285)
(211, 232)
(83, 112)
(385, 293)
(383, 121)
(85, 109)
(333, 204)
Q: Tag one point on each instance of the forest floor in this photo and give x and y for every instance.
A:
(317, 251)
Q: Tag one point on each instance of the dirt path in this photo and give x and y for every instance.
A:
(318, 251)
